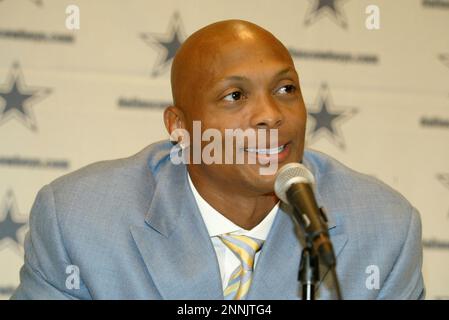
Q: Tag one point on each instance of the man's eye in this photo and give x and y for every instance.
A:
(233, 96)
(287, 89)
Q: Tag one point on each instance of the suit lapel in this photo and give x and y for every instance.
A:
(276, 274)
(325, 288)
(277, 266)
(174, 244)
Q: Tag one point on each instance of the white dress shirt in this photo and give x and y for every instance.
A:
(217, 224)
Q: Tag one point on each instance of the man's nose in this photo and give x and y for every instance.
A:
(267, 114)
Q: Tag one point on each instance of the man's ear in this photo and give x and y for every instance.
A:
(174, 119)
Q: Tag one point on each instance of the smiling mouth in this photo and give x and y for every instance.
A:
(267, 151)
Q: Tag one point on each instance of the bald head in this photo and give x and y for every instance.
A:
(202, 55)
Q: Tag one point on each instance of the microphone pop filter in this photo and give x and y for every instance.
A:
(289, 174)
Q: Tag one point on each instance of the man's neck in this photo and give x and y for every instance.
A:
(246, 211)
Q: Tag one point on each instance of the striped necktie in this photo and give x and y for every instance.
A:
(245, 249)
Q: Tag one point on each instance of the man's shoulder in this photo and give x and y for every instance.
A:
(357, 197)
(330, 172)
(140, 166)
(382, 228)
(111, 183)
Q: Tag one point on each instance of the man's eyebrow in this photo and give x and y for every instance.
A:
(285, 71)
(234, 78)
(243, 78)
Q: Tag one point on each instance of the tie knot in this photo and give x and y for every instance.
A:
(243, 247)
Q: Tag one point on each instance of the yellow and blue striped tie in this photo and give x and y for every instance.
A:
(245, 249)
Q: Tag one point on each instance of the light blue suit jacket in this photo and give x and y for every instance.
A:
(133, 230)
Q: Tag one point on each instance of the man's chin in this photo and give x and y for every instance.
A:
(263, 183)
(264, 176)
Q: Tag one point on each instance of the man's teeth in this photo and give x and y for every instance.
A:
(266, 151)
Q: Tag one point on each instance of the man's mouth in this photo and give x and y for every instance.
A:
(267, 151)
(278, 154)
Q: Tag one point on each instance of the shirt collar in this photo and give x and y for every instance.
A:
(217, 224)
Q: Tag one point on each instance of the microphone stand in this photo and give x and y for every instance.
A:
(309, 272)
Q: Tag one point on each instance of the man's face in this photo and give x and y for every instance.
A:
(248, 85)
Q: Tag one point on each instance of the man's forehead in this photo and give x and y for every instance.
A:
(221, 49)
(242, 43)
(239, 60)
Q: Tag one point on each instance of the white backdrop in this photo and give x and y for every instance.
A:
(378, 100)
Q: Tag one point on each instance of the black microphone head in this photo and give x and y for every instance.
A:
(289, 174)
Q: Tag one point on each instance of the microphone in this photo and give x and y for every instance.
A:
(294, 186)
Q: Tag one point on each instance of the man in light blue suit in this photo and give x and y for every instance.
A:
(145, 228)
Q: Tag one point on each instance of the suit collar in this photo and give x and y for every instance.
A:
(174, 183)
(217, 224)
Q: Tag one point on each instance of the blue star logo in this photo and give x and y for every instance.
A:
(167, 44)
(16, 99)
(329, 8)
(326, 121)
(11, 223)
